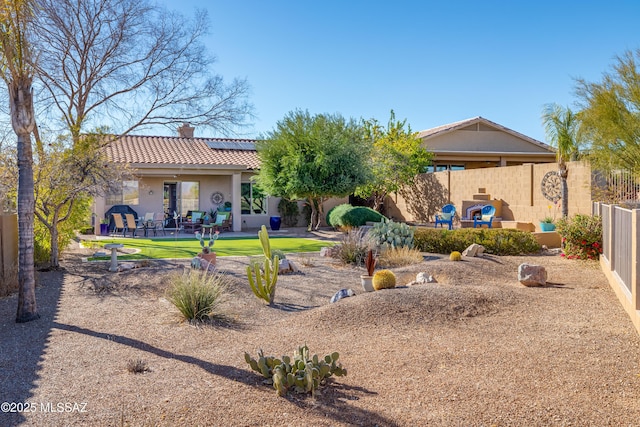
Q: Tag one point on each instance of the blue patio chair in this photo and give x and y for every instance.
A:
(446, 216)
(485, 218)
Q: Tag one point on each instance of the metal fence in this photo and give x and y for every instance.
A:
(620, 252)
(619, 187)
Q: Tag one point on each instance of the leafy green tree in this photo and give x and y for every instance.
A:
(562, 128)
(397, 157)
(67, 176)
(313, 158)
(611, 115)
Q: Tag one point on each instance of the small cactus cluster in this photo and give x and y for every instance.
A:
(206, 247)
(455, 256)
(302, 375)
(392, 234)
(384, 279)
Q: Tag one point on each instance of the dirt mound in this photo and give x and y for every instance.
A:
(438, 303)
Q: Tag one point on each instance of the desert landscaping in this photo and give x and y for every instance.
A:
(476, 348)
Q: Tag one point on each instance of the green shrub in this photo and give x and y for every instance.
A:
(353, 247)
(337, 212)
(303, 374)
(86, 230)
(388, 233)
(346, 215)
(289, 212)
(581, 236)
(198, 294)
(497, 241)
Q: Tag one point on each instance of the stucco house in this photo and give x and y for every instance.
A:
(183, 173)
(480, 143)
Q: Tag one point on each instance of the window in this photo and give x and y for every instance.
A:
(254, 201)
(189, 196)
(128, 194)
(442, 167)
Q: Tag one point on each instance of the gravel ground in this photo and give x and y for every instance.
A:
(475, 349)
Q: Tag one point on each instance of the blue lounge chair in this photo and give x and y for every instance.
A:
(485, 218)
(446, 216)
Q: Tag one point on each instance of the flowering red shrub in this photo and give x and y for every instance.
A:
(581, 236)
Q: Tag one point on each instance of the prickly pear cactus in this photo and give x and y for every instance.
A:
(384, 279)
(388, 233)
(455, 256)
(303, 374)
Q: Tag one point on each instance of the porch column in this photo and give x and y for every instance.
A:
(236, 198)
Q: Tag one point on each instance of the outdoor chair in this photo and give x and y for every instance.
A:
(446, 216)
(227, 223)
(485, 218)
(131, 225)
(220, 218)
(158, 223)
(118, 224)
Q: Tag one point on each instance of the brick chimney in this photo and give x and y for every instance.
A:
(186, 130)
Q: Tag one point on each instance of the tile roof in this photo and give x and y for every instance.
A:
(169, 150)
(425, 134)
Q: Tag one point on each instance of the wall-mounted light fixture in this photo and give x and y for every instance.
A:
(151, 192)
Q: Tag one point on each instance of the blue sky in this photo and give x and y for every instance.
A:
(432, 62)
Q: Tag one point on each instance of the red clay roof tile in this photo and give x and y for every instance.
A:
(170, 150)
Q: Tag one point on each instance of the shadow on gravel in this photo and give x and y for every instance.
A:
(18, 356)
(225, 371)
(332, 401)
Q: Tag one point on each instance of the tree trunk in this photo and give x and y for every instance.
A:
(54, 259)
(314, 213)
(378, 200)
(23, 122)
(564, 189)
(320, 211)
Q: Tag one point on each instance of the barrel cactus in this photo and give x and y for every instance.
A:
(455, 256)
(388, 233)
(384, 279)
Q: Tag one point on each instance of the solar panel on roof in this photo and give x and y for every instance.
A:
(231, 145)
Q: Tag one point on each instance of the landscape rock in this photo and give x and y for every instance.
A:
(532, 275)
(123, 266)
(473, 250)
(422, 278)
(328, 251)
(287, 266)
(342, 293)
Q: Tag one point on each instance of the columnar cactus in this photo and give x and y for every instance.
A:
(263, 279)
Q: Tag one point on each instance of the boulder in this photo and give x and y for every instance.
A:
(287, 266)
(532, 275)
(342, 293)
(422, 278)
(329, 251)
(473, 250)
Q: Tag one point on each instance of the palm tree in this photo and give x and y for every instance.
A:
(561, 126)
(16, 69)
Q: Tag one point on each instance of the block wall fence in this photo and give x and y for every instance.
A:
(517, 187)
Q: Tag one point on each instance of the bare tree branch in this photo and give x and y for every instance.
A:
(135, 63)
